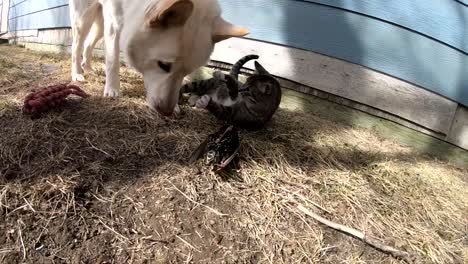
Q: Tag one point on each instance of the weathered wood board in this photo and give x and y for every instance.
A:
(459, 131)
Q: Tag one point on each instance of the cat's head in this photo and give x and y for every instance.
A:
(262, 83)
(263, 86)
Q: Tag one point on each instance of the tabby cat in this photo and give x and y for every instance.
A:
(248, 105)
(223, 88)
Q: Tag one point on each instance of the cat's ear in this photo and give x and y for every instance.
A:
(223, 30)
(168, 13)
(259, 69)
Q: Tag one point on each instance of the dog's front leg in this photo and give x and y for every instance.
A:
(77, 72)
(82, 20)
(112, 52)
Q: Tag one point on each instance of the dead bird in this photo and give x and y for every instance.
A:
(219, 149)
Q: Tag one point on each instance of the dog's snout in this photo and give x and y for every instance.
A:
(163, 96)
(164, 111)
(163, 108)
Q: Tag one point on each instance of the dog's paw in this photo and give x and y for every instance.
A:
(76, 77)
(177, 110)
(111, 92)
(203, 101)
(86, 67)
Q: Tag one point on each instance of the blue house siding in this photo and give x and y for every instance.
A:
(49, 18)
(442, 20)
(38, 14)
(425, 44)
(28, 7)
(359, 39)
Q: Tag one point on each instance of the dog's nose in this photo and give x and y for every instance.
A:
(164, 111)
(163, 108)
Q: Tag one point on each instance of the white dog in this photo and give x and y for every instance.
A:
(165, 40)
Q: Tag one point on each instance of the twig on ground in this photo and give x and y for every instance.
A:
(187, 243)
(30, 206)
(307, 200)
(6, 250)
(119, 236)
(96, 148)
(399, 254)
(197, 203)
(21, 240)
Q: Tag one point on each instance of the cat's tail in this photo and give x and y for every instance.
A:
(238, 65)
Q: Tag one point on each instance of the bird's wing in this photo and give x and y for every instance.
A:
(199, 151)
(225, 162)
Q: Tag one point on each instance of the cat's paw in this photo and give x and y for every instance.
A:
(219, 75)
(192, 101)
(203, 101)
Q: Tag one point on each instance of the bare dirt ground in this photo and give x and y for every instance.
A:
(107, 181)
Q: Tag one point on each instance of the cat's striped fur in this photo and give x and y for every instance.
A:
(209, 86)
(250, 105)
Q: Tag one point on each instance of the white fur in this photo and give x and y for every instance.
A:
(122, 23)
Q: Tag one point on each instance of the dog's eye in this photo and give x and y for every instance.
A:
(165, 66)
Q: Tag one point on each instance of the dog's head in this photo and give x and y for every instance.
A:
(174, 38)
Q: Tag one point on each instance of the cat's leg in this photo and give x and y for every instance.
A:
(233, 86)
(221, 111)
(193, 100)
(203, 101)
(219, 75)
(200, 87)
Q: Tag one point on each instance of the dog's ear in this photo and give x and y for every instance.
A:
(167, 13)
(223, 30)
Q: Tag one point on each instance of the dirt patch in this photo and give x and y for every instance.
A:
(107, 181)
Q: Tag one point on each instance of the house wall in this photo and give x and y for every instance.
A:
(366, 33)
(38, 14)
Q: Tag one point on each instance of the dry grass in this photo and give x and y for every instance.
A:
(107, 180)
